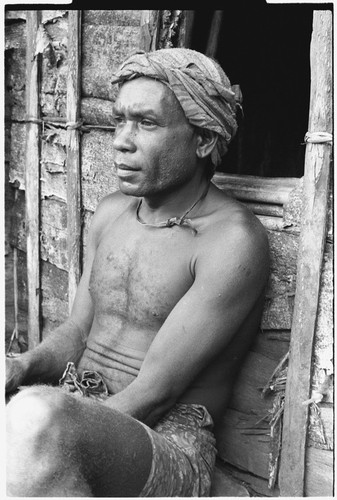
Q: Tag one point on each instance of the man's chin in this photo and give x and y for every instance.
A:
(130, 189)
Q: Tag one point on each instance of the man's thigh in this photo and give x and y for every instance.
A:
(113, 450)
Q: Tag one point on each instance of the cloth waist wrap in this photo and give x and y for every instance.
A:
(89, 384)
(200, 85)
(183, 443)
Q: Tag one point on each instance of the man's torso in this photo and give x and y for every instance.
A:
(138, 276)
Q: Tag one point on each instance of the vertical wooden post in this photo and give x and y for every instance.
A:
(186, 31)
(32, 179)
(73, 153)
(311, 248)
(149, 29)
(214, 32)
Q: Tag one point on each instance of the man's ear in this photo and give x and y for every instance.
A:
(206, 142)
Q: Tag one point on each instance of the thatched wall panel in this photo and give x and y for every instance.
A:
(15, 84)
(272, 344)
(253, 376)
(22, 283)
(15, 35)
(321, 427)
(283, 250)
(96, 111)
(104, 48)
(324, 326)
(280, 292)
(54, 96)
(87, 217)
(54, 68)
(277, 313)
(54, 233)
(18, 233)
(245, 450)
(98, 178)
(7, 151)
(292, 209)
(56, 24)
(54, 284)
(17, 154)
(16, 14)
(112, 17)
(53, 163)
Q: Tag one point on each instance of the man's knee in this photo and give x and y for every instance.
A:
(35, 412)
(39, 453)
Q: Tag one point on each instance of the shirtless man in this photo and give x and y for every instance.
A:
(169, 301)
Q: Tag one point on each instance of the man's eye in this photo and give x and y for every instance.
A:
(118, 119)
(147, 123)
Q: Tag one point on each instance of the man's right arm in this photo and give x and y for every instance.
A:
(47, 362)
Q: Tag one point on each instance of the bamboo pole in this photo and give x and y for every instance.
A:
(311, 248)
(32, 179)
(15, 333)
(213, 38)
(73, 154)
(149, 29)
(186, 31)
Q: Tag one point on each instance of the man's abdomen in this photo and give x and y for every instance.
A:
(115, 355)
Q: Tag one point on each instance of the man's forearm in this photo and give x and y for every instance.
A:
(141, 403)
(48, 360)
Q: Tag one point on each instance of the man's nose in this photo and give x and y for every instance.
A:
(124, 137)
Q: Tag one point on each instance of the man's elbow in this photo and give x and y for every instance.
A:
(156, 399)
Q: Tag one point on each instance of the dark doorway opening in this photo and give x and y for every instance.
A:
(265, 49)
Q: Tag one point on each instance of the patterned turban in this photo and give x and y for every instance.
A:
(200, 85)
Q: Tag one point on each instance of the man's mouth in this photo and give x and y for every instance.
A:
(124, 171)
(122, 166)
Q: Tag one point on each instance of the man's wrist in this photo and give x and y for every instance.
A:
(28, 366)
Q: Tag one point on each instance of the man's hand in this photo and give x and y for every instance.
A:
(16, 373)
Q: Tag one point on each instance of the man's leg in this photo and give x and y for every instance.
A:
(62, 445)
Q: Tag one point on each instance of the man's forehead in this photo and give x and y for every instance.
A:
(145, 93)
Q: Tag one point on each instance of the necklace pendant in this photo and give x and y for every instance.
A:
(173, 221)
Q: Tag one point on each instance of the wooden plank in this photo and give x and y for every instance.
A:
(149, 29)
(225, 485)
(73, 154)
(240, 446)
(32, 180)
(256, 189)
(214, 32)
(256, 485)
(319, 481)
(312, 240)
(273, 346)
(247, 391)
(186, 30)
(267, 209)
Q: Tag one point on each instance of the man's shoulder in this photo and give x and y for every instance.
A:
(234, 232)
(109, 209)
(114, 203)
(234, 219)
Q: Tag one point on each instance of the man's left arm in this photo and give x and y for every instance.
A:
(229, 279)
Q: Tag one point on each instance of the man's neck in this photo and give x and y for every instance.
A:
(156, 209)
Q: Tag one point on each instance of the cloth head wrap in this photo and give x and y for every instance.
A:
(200, 85)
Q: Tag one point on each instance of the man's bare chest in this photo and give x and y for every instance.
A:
(141, 274)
